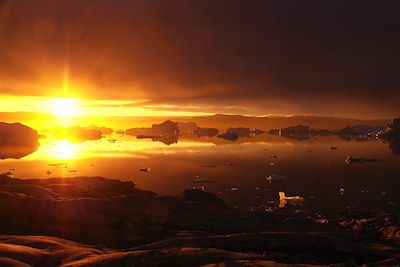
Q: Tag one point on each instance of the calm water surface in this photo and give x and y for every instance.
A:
(235, 171)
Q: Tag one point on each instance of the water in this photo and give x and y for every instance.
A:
(235, 171)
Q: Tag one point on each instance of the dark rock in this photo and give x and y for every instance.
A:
(240, 132)
(258, 131)
(17, 140)
(166, 132)
(149, 227)
(349, 263)
(293, 130)
(299, 132)
(274, 131)
(353, 159)
(194, 195)
(167, 139)
(391, 232)
(166, 128)
(187, 127)
(358, 130)
(17, 134)
(394, 146)
(392, 135)
(321, 132)
(206, 132)
(380, 225)
(231, 136)
(388, 262)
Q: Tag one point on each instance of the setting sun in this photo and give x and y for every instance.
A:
(64, 107)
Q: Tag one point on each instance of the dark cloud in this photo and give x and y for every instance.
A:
(327, 57)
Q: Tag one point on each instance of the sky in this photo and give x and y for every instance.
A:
(250, 57)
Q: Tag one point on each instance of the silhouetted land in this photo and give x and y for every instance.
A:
(124, 226)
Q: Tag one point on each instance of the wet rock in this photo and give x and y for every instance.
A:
(388, 262)
(380, 225)
(391, 232)
(115, 214)
(180, 250)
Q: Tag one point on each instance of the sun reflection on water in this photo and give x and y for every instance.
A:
(63, 150)
(123, 147)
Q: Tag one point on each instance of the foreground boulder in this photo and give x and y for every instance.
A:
(379, 225)
(144, 229)
(191, 249)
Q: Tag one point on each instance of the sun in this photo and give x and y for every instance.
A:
(64, 107)
(63, 149)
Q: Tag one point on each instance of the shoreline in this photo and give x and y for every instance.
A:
(116, 216)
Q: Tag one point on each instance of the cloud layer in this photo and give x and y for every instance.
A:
(324, 57)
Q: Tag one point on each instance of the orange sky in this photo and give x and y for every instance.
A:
(79, 107)
(134, 58)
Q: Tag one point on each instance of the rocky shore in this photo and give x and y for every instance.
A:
(115, 224)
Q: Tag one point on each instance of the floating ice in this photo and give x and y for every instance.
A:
(273, 178)
(283, 199)
(353, 159)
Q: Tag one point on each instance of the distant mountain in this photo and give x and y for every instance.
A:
(223, 121)
(219, 121)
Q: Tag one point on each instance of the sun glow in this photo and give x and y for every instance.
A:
(63, 150)
(64, 107)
